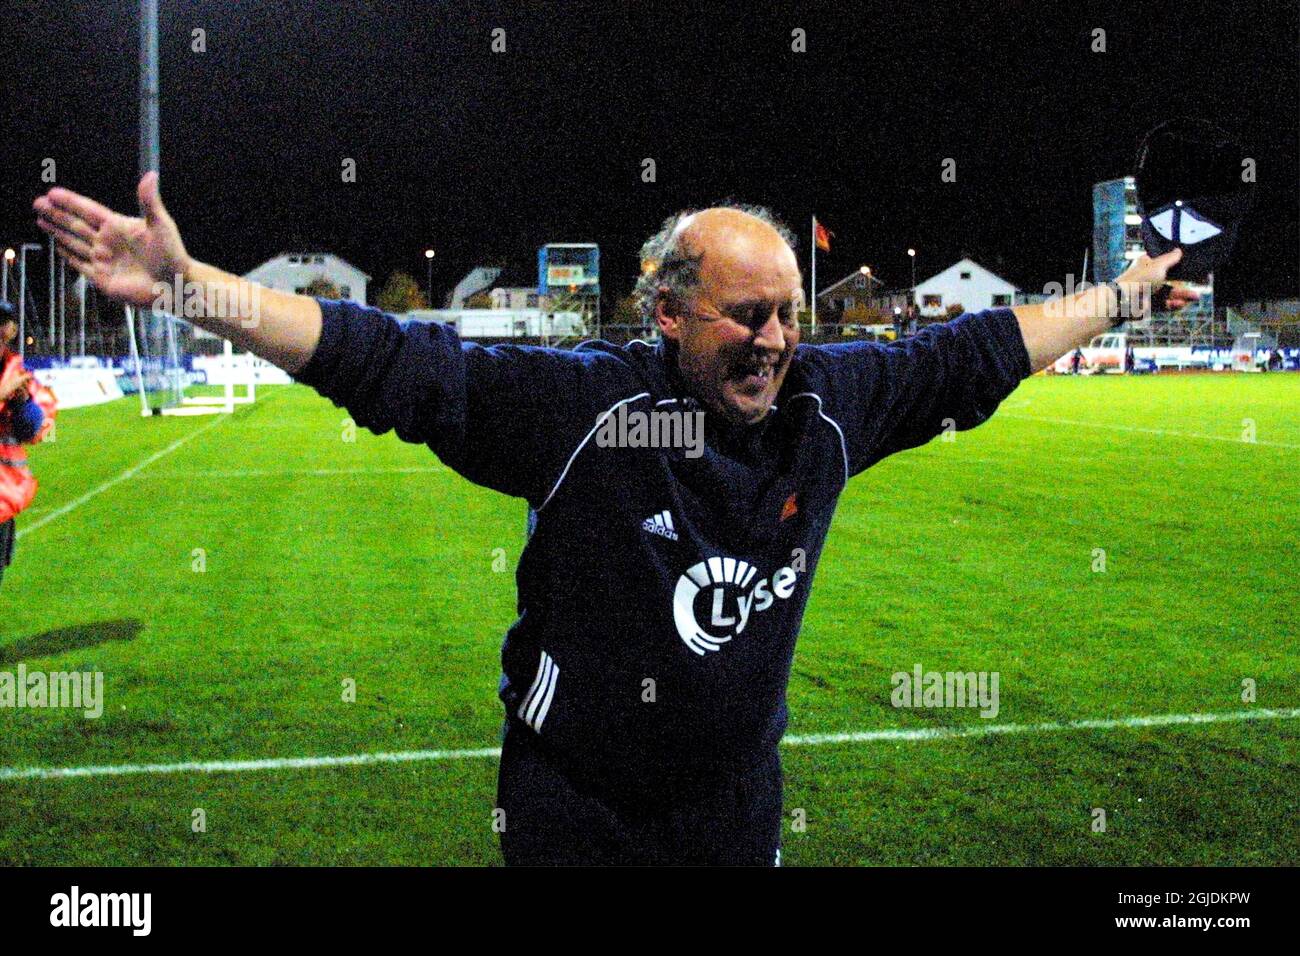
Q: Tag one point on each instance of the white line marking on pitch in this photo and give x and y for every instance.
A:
(805, 740)
(1146, 431)
(989, 730)
(301, 472)
(124, 476)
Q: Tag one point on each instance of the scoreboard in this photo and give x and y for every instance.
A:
(572, 267)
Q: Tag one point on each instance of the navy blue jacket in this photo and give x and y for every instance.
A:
(24, 418)
(660, 594)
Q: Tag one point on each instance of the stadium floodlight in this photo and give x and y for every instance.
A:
(911, 254)
(10, 255)
(23, 339)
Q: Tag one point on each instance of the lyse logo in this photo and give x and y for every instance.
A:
(134, 910)
(722, 589)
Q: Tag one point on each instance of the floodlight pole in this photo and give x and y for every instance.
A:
(812, 327)
(148, 86)
(63, 310)
(81, 284)
(25, 248)
(148, 148)
(53, 265)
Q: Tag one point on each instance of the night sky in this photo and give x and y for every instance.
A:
(487, 156)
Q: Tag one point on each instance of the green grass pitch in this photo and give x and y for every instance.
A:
(326, 560)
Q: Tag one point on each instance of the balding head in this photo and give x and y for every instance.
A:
(719, 224)
(723, 284)
(673, 260)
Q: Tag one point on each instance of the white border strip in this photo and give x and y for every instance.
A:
(805, 740)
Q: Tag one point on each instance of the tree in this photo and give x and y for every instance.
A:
(953, 311)
(401, 293)
(479, 300)
(321, 288)
(627, 311)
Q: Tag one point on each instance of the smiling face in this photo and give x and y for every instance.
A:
(737, 334)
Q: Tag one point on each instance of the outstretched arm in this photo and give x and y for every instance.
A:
(137, 259)
(505, 417)
(1052, 328)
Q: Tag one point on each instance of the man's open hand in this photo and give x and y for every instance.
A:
(123, 255)
(1146, 278)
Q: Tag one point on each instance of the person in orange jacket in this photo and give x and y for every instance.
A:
(27, 411)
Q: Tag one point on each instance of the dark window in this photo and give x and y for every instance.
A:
(1001, 300)
(965, 275)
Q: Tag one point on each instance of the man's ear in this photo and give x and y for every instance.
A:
(670, 323)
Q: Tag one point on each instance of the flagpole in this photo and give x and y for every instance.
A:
(812, 329)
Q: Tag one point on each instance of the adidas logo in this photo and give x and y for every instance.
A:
(660, 524)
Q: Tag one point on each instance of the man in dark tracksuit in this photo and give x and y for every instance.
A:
(662, 587)
(660, 594)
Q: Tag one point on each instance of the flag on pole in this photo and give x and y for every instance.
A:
(822, 236)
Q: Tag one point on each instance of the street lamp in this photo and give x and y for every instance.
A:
(25, 248)
(428, 254)
(911, 254)
(10, 255)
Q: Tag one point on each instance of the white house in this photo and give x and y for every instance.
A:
(294, 271)
(514, 297)
(858, 289)
(968, 284)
